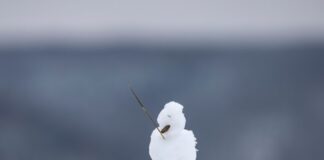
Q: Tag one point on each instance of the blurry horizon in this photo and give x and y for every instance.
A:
(153, 20)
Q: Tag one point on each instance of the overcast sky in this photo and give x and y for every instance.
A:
(159, 17)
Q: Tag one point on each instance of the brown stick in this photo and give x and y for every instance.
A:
(145, 110)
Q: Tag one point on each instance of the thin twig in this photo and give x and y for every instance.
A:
(145, 110)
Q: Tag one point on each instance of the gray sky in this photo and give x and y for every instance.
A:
(157, 17)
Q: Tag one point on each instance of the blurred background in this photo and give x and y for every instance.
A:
(250, 75)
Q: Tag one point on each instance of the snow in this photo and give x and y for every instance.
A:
(179, 143)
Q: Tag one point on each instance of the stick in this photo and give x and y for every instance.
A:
(145, 110)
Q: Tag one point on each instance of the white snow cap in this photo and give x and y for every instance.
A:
(179, 143)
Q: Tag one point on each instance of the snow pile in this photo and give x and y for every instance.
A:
(179, 143)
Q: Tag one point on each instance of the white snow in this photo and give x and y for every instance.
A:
(179, 143)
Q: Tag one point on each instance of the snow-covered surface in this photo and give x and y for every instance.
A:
(179, 143)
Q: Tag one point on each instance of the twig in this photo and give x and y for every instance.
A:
(145, 110)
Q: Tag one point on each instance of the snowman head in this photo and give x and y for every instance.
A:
(171, 119)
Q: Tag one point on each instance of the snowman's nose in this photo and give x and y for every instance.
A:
(165, 128)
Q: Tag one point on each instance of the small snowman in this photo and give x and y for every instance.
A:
(171, 141)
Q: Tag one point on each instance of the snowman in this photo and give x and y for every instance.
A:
(171, 141)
